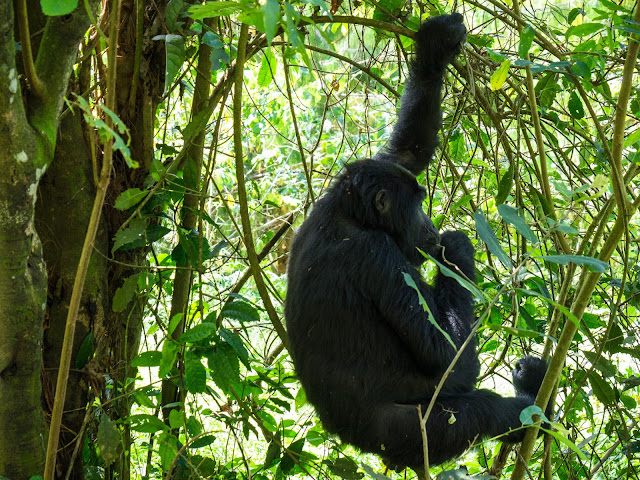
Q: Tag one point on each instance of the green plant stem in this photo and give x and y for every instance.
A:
(242, 192)
(36, 84)
(85, 256)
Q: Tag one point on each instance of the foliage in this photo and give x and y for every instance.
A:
(534, 191)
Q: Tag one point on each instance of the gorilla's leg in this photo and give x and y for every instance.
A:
(455, 423)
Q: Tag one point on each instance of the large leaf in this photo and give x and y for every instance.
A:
(593, 264)
(526, 39)
(500, 75)
(510, 215)
(486, 234)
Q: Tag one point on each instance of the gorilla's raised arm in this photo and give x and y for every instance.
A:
(415, 136)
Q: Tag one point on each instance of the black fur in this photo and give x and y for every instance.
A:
(361, 343)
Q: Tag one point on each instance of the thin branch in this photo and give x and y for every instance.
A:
(242, 192)
(36, 84)
(85, 256)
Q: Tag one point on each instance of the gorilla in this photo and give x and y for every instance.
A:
(361, 343)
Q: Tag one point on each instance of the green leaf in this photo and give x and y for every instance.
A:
(168, 450)
(583, 30)
(409, 281)
(567, 313)
(174, 322)
(267, 67)
(125, 293)
(108, 440)
(224, 366)
(173, 11)
(447, 272)
(505, 185)
(562, 439)
(169, 355)
(602, 389)
(500, 75)
(198, 332)
(152, 358)
(195, 375)
(145, 423)
(84, 352)
(132, 234)
(241, 311)
(593, 264)
(526, 39)
(510, 215)
(576, 109)
(486, 234)
(54, 8)
(218, 9)
(175, 56)
(129, 198)
(271, 12)
(235, 341)
(632, 138)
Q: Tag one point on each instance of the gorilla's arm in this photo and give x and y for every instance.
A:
(415, 136)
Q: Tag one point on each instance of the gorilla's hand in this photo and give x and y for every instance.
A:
(438, 41)
(528, 375)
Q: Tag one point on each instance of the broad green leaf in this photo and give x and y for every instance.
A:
(576, 109)
(224, 366)
(195, 375)
(108, 440)
(510, 215)
(129, 198)
(152, 358)
(632, 138)
(500, 75)
(271, 12)
(602, 389)
(198, 332)
(167, 450)
(235, 341)
(409, 281)
(241, 311)
(133, 233)
(505, 185)
(173, 11)
(267, 68)
(169, 355)
(581, 69)
(145, 423)
(54, 8)
(84, 352)
(218, 9)
(486, 234)
(583, 30)
(526, 39)
(526, 415)
(175, 56)
(125, 293)
(176, 419)
(174, 322)
(593, 264)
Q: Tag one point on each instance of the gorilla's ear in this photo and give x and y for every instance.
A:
(382, 202)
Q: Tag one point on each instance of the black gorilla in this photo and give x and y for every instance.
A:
(362, 345)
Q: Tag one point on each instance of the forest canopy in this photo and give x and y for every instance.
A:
(159, 156)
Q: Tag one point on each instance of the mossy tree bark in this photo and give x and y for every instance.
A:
(28, 126)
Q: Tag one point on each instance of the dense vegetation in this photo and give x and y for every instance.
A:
(209, 143)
